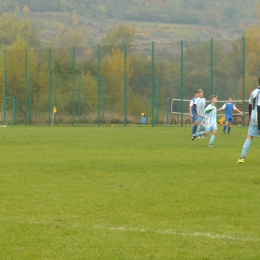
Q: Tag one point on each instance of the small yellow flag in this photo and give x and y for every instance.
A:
(54, 109)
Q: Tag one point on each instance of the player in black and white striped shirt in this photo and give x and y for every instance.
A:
(254, 121)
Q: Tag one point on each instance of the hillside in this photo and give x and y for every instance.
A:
(155, 20)
(96, 29)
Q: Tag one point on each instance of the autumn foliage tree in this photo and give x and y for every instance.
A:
(113, 72)
(16, 36)
(123, 34)
(11, 26)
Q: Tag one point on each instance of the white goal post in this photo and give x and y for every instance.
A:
(3, 119)
(177, 110)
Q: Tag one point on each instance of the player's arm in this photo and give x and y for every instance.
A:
(235, 108)
(204, 103)
(208, 110)
(195, 108)
(249, 109)
(218, 122)
(252, 105)
(223, 107)
(258, 117)
(190, 109)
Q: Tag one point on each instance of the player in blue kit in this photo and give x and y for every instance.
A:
(229, 108)
(254, 121)
(210, 121)
(193, 112)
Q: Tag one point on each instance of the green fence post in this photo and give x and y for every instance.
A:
(212, 66)
(14, 111)
(218, 89)
(30, 103)
(73, 83)
(157, 104)
(147, 111)
(153, 71)
(50, 84)
(4, 87)
(103, 97)
(26, 84)
(80, 97)
(99, 85)
(236, 89)
(168, 110)
(182, 82)
(244, 77)
(55, 94)
(179, 95)
(198, 83)
(125, 86)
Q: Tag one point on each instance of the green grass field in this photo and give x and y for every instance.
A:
(127, 193)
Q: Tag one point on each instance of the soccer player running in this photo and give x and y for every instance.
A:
(210, 121)
(229, 108)
(254, 121)
(199, 107)
(193, 112)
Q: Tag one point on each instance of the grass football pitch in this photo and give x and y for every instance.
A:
(127, 193)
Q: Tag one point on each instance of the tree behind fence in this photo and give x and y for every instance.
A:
(116, 84)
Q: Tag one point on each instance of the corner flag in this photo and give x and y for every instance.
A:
(53, 112)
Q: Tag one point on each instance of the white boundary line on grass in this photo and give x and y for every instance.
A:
(180, 233)
(166, 232)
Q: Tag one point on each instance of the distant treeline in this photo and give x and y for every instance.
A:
(216, 13)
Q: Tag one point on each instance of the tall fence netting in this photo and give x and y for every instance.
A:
(119, 84)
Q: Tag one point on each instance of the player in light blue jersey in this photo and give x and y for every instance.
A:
(193, 112)
(254, 121)
(229, 108)
(200, 105)
(210, 121)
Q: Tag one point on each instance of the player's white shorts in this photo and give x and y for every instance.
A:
(212, 128)
(253, 130)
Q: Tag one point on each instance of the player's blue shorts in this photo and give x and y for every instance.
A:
(229, 119)
(199, 119)
(194, 117)
(253, 130)
(212, 128)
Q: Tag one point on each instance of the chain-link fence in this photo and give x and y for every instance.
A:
(116, 84)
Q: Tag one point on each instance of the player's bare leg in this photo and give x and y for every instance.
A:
(245, 148)
(212, 138)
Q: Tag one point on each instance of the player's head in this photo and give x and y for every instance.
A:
(229, 100)
(201, 93)
(196, 93)
(213, 99)
(259, 81)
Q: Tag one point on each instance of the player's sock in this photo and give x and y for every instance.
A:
(229, 128)
(198, 129)
(201, 133)
(212, 138)
(194, 129)
(224, 130)
(246, 147)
